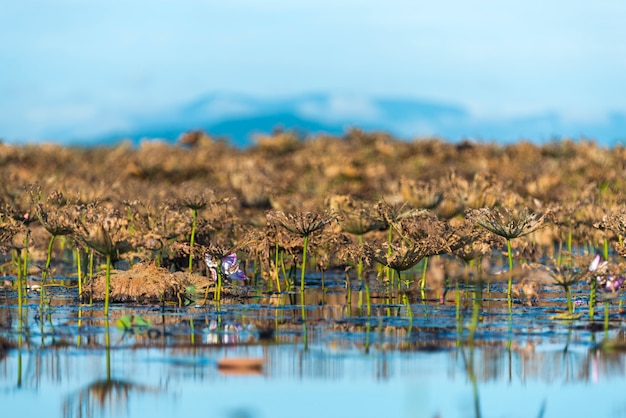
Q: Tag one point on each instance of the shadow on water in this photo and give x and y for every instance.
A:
(158, 361)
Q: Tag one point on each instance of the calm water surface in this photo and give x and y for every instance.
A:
(328, 360)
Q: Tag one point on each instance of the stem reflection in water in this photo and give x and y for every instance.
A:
(102, 394)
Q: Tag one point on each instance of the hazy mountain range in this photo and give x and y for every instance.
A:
(238, 118)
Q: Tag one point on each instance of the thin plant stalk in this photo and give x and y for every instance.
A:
(20, 289)
(91, 274)
(217, 296)
(44, 275)
(79, 324)
(107, 285)
(367, 296)
(348, 294)
(423, 281)
(407, 303)
(606, 316)
(303, 270)
(192, 238)
(569, 243)
(474, 323)
(283, 268)
(79, 273)
(458, 301)
(570, 305)
(360, 301)
(592, 298)
(25, 264)
(305, 334)
(360, 265)
(399, 280)
(510, 254)
(388, 271)
(276, 267)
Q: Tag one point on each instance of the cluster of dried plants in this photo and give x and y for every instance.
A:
(288, 203)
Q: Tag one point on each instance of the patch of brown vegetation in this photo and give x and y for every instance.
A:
(145, 283)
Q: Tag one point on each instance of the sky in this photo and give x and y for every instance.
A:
(89, 66)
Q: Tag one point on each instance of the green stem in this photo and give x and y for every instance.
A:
(20, 288)
(367, 295)
(360, 265)
(510, 254)
(569, 243)
(192, 239)
(79, 274)
(458, 301)
(423, 282)
(217, 296)
(107, 289)
(91, 275)
(276, 267)
(606, 317)
(387, 268)
(570, 305)
(283, 268)
(44, 275)
(303, 271)
(25, 265)
(348, 294)
(592, 298)
(477, 300)
(409, 312)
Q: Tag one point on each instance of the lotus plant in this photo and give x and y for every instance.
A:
(509, 224)
(303, 224)
(107, 234)
(566, 277)
(59, 220)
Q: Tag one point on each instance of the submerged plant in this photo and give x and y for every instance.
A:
(195, 203)
(303, 224)
(357, 218)
(566, 277)
(106, 234)
(399, 256)
(509, 224)
(59, 220)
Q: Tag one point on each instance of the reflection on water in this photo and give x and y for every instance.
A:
(317, 360)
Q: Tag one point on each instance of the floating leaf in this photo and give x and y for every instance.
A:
(568, 316)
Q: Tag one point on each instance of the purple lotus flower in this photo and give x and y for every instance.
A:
(229, 266)
(607, 282)
(613, 283)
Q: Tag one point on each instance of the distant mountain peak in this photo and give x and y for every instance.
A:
(239, 116)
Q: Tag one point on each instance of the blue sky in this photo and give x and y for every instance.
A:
(87, 66)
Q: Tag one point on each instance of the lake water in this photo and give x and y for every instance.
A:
(328, 360)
